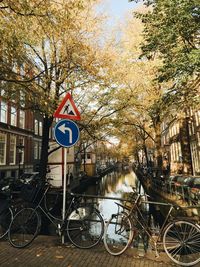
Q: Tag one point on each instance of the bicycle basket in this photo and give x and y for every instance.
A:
(31, 193)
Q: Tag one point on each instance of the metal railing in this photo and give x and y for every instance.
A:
(178, 192)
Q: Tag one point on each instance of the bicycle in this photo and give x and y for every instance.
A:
(83, 224)
(8, 205)
(6, 215)
(179, 238)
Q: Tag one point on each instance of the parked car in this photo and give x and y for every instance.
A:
(29, 177)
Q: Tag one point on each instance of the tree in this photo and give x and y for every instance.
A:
(25, 8)
(171, 32)
(61, 52)
(138, 100)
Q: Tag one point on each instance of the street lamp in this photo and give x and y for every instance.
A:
(20, 148)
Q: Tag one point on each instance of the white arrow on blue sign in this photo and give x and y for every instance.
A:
(66, 133)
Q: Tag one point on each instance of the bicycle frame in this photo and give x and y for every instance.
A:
(135, 213)
(57, 225)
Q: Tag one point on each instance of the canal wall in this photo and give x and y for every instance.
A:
(87, 181)
(159, 195)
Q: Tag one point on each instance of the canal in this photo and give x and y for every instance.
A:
(118, 184)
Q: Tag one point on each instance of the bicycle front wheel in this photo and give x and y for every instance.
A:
(6, 217)
(85, 227)
(118, 234)
(181, 241)
(24, 227)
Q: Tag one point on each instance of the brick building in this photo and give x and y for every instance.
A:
(181, 143)
(20, 139)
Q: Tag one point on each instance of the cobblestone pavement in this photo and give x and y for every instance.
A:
(47, 251)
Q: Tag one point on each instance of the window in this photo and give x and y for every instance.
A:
(12, 153)
(36, 150)
(40, 128)
(36, 127)
(195, 159)
(174, 129)
(198, 138)
(22, 99)
(191, 128)
(13, 116)
(2, 149)
(22, 119)
(197, 117)
(3, 112)
(176, 152)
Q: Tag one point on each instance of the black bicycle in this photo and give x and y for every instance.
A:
(8, 204)
(83, 224)
(177, 236)
(6, 214)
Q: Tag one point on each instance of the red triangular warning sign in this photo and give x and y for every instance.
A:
(67, 109)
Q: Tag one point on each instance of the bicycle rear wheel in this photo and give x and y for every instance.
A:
(181, 241)
(118, 234)
(24, 227)
(85, 227)
(6, 217)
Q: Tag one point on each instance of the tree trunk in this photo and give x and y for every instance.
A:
(158, 147)
(47, 121)
(146, 154)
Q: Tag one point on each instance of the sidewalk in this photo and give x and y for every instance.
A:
(47, 251)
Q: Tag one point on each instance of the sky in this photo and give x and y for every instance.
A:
(119, 8)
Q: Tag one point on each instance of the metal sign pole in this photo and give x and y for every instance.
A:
(66, 134)
(64, 189)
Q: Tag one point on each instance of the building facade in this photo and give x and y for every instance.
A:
(20, 139)
(181, 143)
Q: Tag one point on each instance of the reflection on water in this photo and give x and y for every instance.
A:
(118, 185)
(114, 185)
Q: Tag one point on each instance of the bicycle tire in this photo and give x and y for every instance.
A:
(118, 234)
(181, 241)
(6, 217)
(85, 227)
(24, 227)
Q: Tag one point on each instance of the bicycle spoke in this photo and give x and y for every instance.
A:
(24, 227)
(181, 242)
(5, 220)
(85, 227)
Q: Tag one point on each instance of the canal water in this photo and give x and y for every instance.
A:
(116, 185)
(113, 187)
